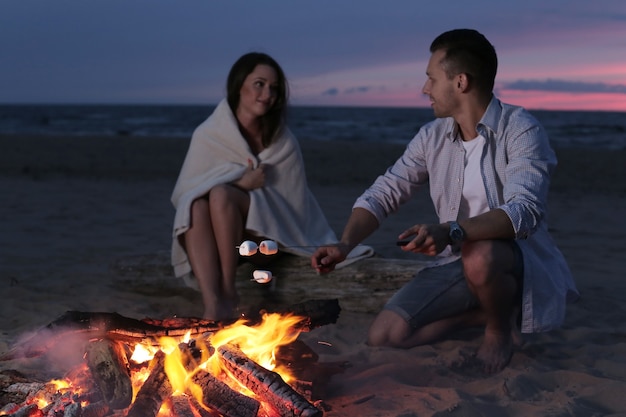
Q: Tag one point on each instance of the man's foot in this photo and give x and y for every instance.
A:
(495, 352)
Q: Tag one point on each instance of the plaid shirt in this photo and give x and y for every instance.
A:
(516, 164)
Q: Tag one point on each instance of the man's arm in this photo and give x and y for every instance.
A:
(493, 224)
(360, 225)
(431, 239)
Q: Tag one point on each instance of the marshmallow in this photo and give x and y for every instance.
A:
(248, 248)
(268, 247)
(262, 277)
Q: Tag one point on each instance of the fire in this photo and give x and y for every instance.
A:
(258, 342)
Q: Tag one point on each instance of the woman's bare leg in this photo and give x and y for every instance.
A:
(201, 247)
(229, 209)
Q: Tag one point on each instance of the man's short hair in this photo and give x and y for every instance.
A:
(468, 52)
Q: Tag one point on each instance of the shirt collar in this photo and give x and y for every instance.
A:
(487, 124)
(491, 119)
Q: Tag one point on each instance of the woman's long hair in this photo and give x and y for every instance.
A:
(273, 121)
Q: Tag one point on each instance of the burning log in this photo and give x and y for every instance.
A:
(186, 406)
(267, 384)
(102, 324)
(220, 397)
(109, 368)
(30, 410)
(154, 390)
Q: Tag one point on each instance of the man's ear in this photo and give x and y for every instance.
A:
(462, 82)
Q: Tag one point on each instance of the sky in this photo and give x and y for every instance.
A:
(553, 54)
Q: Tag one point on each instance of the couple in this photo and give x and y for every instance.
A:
(486, 164)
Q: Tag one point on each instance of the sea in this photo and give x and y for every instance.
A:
(566, 129)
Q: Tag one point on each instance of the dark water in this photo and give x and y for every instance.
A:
(586, 129)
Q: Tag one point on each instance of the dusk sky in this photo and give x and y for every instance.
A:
(554, 54)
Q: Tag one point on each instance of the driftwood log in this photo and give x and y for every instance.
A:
(362, 287)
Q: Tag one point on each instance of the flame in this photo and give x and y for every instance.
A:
(258, 342)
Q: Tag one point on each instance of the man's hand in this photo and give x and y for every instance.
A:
(326, 258)
(252, 178)
(429, 239)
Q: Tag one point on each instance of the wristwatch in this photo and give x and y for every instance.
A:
(457, 234)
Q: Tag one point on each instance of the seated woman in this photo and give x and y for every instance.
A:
(243, 178)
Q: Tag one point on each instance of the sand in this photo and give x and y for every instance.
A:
(72, 207)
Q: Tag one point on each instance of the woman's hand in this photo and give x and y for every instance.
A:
(252, 178)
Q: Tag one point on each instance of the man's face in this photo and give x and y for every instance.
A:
(439, 88)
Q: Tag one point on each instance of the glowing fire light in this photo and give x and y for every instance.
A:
(258, 342)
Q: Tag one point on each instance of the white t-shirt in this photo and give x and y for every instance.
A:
(474, 199)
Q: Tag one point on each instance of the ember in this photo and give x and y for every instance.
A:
(209, 370)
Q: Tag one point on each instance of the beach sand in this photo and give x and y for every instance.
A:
(72, 207)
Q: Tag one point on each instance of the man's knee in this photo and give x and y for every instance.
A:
(388, 329)
(486, 260)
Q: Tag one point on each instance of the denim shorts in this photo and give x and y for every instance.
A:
(439, 292)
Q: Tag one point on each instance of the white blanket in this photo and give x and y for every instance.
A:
(283, 210)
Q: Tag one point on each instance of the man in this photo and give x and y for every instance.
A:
(488, 167)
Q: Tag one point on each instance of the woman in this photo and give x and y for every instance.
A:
(243, 178)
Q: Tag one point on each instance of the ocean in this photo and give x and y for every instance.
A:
(566, 129)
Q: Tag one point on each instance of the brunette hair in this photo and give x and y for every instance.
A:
(468, 52)
(273, 120)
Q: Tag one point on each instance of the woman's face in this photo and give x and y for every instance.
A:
(258, 92)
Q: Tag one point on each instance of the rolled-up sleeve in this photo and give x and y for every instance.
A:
(396, 186)
(525, 167)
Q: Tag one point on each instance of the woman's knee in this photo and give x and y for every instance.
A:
(225, 196)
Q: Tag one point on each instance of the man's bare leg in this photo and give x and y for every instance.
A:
(390, 329)
(487, 266)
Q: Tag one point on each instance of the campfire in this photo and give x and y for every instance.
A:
(175, 367)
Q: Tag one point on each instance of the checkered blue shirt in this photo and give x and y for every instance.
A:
(516, 164)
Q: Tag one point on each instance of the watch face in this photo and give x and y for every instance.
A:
(456, 233)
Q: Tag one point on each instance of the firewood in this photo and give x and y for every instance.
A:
(223, 399)
(97, 409)
(109, 367)
(102, 324)
(73, 410)
(153, 391)
(180, 407)
(267, 384)
(187, 406)
(30, 410)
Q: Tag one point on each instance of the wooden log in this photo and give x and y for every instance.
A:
(109, 368)
(223, 399)
(361, 287)
(102, 324)
(267, 384)
(97, 409)
(156, 389)
(187, 406)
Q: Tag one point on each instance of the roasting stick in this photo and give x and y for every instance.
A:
(270, 247)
